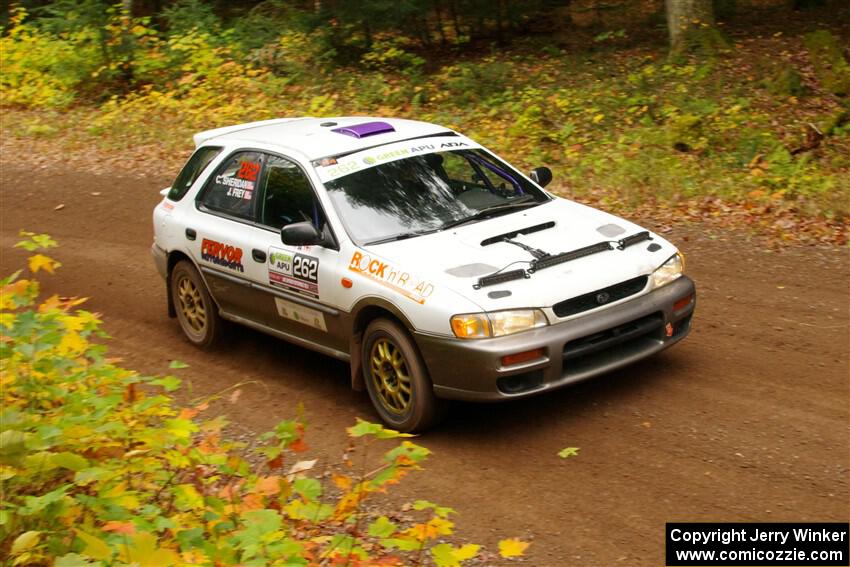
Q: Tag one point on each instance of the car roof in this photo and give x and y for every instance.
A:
(323, 137)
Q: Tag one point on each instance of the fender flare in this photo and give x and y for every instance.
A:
(365, 310)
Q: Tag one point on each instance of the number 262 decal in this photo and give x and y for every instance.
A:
(305, 268)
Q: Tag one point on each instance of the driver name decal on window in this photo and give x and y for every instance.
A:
(236, 187)
(294, 272)
(388, 275)
(223, 255)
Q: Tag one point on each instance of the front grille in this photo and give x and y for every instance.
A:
(650, 326)
(607, 295)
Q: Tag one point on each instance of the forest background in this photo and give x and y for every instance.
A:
(731, 110)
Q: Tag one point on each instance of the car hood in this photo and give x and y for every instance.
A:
(456, 258)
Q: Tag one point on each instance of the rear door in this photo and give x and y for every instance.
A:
(222, 231)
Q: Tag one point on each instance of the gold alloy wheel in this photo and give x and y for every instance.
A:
(390, 376)
(192, 305)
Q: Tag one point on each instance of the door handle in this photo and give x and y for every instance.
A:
(258, 255)
(191, 234)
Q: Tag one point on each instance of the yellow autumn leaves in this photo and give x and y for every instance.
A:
(184, 494)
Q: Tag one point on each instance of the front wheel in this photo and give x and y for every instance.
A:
(196, 311)
(397, 380)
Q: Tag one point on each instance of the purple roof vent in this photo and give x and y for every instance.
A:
(364, 130)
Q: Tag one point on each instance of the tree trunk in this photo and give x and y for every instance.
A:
(455, 19)
(439, 16)
(685, 17)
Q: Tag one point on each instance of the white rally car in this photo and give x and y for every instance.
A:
(431, 265)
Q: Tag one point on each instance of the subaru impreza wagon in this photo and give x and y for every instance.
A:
(434, 267)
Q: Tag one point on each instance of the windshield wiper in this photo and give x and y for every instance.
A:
(522, 203)
(402, 236)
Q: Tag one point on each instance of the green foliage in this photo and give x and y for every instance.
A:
(621, 127)
(469, 83)
(99, 466)
(829, 62)
(184, 16)
(389, 53)
(42, 69)
(785, 81)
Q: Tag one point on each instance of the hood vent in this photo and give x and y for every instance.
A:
(514, 234)
(471, 270)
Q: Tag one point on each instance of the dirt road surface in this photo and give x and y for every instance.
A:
(746, 420)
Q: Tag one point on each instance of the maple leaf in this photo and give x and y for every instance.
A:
(342, 481)
(41, 262)
(568, 452)
(298, 446)
(512, 547)
(128, 528)
(268, 486)
(275, 463)
(71, 342)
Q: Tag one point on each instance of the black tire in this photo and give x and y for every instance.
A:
(397, 379)
(197, 313)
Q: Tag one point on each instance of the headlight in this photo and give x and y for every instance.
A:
(669, 270)
(497, 323)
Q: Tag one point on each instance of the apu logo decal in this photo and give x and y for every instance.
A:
(296, 272)
(403, 282)
(223, 255)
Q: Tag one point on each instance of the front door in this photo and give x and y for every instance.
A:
(298, 280)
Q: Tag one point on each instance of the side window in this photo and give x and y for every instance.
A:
(457, 168)
(288, 196)
(233, 187)
(190, 172)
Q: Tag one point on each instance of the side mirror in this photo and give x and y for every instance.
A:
(541, 175)
(300, 234)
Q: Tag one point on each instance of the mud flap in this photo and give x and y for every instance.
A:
(169, 297)
(355, 348)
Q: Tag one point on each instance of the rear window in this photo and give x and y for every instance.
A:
(190, 172)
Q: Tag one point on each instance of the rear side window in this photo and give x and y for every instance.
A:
(232, 189)
(190, 172)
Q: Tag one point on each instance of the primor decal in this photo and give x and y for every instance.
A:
(388, 275)
(223, 255)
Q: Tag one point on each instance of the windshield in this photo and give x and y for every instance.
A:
(426, 193)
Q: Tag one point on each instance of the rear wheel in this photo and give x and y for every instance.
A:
(396, 378)
(196, 311)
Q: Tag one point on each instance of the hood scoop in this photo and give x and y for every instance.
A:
(515, 233)
(365, 129)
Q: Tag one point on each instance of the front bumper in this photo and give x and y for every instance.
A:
(572, 351)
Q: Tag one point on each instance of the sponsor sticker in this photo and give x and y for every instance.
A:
(332, 169)
(248, 170)
(388, 275)
(294, 272)
(221, 254)
(301, 314)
